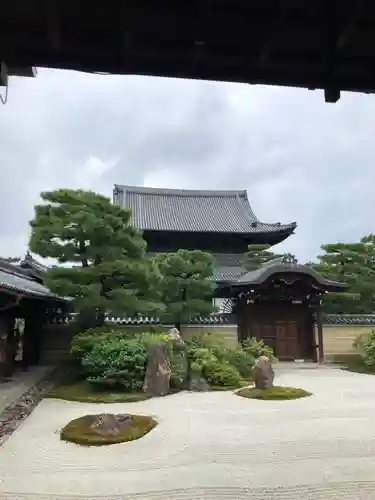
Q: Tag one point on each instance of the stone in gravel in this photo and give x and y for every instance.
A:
(108, 424)
(198, 383)
(263, 373)
(158, 372)
(175, 336)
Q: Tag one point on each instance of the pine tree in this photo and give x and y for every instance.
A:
(258, 255)
(103, 262)
(353, 264)
(187, 287)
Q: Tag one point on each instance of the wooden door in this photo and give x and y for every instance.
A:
(287, 340)
(265, 332)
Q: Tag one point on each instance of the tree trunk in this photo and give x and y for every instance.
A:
(100, 318)
(87, 319)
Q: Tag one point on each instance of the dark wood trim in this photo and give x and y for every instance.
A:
(319, 321)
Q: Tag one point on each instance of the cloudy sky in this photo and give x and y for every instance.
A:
(299, 158)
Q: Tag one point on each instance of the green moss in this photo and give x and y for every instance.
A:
(358, 367)
(243, 383)
(273, 393)
(84, 392)
(78, 431)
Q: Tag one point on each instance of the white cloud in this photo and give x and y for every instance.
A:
(300, 158)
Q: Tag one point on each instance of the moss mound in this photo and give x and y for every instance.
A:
(273, 393)
(87, 393)
(79, 431)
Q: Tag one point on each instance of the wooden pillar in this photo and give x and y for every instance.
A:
(34, 319)
(7, 345)
(319, 321)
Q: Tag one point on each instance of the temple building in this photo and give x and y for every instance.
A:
(26, 304)
(279, 303)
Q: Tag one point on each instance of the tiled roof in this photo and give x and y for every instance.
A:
(29, 261)
(349, 319)
(285, 265)
(228, 273)
(228, 267)
(193, 211)
(224, 319)
(212, 319)
(18, 282)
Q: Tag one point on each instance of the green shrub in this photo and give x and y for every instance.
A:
(365, 344)
(241, 360)
(117, 363)
(179, 372)
(221, 374)
(83, 342)
(118, 359)
(256, 348)
(217, 372)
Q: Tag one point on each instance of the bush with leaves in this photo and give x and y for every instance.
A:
(365, 344)
(83, 342)
(256, 348)
(179, 370)
(217, 372)
(119, 361)
(221, 365)
(242, 361)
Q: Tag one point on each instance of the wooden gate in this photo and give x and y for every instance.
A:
(287, 340)
(285, 328)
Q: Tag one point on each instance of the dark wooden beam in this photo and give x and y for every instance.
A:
(52, 22)
(200, 29)
(331, 93)
(26, 71)
(123, 28)
(319, 322)
(349, 30)
(277, 25)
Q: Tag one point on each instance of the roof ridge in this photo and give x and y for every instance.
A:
(181, 192)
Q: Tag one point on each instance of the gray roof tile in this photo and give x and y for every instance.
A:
(349, 319)
(282, 265)
(228, 267)
(18, 282)
(212, 319)
(193, 211)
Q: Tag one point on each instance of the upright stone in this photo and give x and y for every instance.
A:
(179, 361)
(263, 373)
(158, 370)
(175, 336)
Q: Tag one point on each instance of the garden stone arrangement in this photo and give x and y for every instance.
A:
(106, 429)
(263, 373)
(211, 446)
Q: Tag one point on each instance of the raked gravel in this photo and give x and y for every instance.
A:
(208, 446)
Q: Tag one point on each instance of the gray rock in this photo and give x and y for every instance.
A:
(107, 424)
(198, 384)
(178, 342)
(263, 373)
(158, 371)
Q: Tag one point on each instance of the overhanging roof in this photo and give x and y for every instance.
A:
(179, 210)
(16, 280)
(326, 44)
(284, 266)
